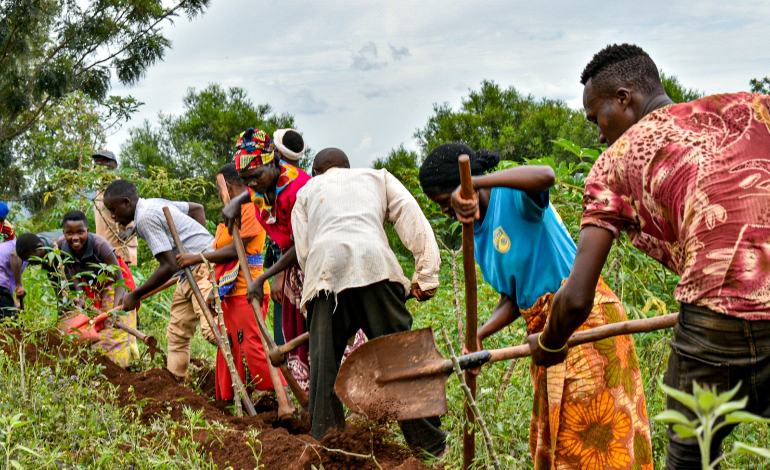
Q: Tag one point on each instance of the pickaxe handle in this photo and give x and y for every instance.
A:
(480, 358)
(268, 343)
(209, 317)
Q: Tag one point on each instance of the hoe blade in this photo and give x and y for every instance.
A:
(416, 397)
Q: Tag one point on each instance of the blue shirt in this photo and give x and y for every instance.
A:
(522, 246)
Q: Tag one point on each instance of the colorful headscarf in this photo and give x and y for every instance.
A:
(254, 148)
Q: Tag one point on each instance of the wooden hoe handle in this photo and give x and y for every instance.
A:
(268, 343)
(209, 317)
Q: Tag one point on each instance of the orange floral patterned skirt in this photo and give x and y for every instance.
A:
(589, 412)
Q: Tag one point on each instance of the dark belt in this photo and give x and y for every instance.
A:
(705, 317)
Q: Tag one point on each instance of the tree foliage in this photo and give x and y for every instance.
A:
(199, 141)
(760, 85)
(676, 91)
(51, 48)
(64, 137)
(517, 126)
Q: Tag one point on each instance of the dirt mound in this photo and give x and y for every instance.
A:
(359, 441)
(282, 445)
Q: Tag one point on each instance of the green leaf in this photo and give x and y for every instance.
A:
(684, 398)
(745, 417)
(27, 450)
(683, 431)
(728, 395)
(741, 448)
(730, 406)
(672, 416)
(706, 400)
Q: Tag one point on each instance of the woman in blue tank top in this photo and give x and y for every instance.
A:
(589, 411)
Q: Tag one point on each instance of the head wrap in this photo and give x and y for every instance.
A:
(287, 153)
(254, 148)
(440, 171)
(3, 210)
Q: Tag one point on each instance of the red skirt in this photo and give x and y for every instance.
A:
(246, 346)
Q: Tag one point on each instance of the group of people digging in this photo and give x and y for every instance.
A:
(687, 182)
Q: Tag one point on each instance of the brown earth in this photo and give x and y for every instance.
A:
(284, 445)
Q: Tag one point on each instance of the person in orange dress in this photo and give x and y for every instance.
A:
(242, 331)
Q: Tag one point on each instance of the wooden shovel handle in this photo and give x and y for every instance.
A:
(205, 308)
(471, 310)
(268, 343)
(645, 325)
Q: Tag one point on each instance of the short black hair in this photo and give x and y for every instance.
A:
(440, 172)
(27, 244)
(74, 216)
(231, 174)
(293, 141)
(621, 65)
(120, 189)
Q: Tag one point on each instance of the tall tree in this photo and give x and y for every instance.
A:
(199, 141)
(507, 121)
(50, 48)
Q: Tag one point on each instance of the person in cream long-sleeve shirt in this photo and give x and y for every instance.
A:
(353, 279)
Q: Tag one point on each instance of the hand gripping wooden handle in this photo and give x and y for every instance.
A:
(471, 312)
(209, 318)
(268, 343)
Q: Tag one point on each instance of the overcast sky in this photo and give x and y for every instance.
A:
(362, 76)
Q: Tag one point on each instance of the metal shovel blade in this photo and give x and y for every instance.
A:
(416, 397)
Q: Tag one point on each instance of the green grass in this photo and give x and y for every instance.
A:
(72, 417)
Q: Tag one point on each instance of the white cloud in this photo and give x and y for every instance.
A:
(366, 58)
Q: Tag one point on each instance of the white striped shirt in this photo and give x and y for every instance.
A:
(151, 226)
(340, 239)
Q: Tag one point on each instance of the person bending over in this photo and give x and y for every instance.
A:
(11, 270)
(589, 412)
(688, 184)
(125, 206)
(242, 330)
(352, 278)
(83, 251)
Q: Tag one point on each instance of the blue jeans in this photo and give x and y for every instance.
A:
(719, 351)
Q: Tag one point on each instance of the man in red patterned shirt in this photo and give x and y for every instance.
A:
(690, 185)
(6, 229)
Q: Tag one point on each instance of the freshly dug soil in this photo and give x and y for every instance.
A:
(284, 445)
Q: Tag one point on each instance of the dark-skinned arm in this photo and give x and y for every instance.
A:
(220, 256)
(168, 267)
(197, 212)
(232, 211)
(505, 313)
(532, 179)
(287, 260)
(573, 302)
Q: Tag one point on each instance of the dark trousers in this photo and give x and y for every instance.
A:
(719, 351)
(7, 305)
(378, 309)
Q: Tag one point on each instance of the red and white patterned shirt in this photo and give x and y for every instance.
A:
(690, 184)
(7, 233)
